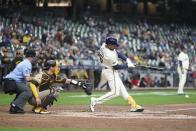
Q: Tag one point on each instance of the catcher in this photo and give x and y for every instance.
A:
(43, 93)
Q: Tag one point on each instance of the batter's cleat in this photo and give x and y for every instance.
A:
(137, 109)
(92, 105)
(39, 110)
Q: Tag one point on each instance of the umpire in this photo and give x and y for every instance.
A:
(16, 82)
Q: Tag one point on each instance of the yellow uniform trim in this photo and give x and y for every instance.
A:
(34, 90)
(131, 101)
(56, 70)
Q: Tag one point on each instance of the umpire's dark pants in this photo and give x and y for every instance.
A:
(23, 93)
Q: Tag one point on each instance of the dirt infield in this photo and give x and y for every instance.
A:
(154, 118)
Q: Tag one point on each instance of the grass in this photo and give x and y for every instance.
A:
(142, 97)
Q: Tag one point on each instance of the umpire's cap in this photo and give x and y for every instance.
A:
(29, 53)
(112, 40)
(49, 63)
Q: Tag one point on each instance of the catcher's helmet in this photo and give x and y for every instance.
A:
(49, 63)
(112, 40)
(29, 53)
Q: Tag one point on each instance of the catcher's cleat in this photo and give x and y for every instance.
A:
(44, 112)
(92, 105)
(137, 109)
(39, 110)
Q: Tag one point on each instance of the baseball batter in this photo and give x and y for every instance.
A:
(109, 59)
(183, 65)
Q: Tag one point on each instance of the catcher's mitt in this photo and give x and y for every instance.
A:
(87, 89)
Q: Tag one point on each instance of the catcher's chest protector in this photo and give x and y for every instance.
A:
(46, 82)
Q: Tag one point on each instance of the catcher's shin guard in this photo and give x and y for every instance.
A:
(48, 100)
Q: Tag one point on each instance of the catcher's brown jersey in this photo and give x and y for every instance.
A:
(43, 80)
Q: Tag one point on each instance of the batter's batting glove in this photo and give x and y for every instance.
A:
(86, 89)
(130, 63)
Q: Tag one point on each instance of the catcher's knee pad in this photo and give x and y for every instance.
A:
(48, 100)
(57, 89)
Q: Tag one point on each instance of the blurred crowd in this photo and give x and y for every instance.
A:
(76, 42)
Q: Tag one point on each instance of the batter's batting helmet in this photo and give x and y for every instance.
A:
(49, 63)
(112, 40)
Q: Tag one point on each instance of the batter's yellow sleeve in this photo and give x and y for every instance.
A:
(34, 90)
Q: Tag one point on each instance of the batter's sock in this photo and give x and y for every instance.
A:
(132, 102)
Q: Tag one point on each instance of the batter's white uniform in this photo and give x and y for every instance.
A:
(183, 57)
(109, 58)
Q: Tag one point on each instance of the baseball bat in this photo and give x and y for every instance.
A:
(150, 67)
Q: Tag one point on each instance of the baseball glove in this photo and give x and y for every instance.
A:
(87, 89)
